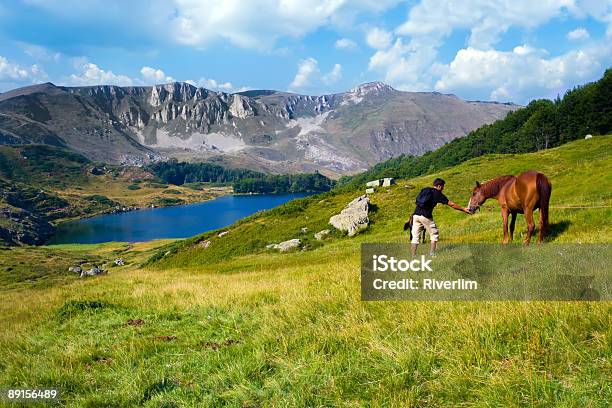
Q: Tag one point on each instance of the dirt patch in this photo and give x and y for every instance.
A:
(216, 346)
(134, 322)
(165, 338)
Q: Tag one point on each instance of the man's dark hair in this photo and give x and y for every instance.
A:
(438, 182)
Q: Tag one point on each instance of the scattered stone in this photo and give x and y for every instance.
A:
(369, 191)
(388, 181)
(321, 234)
(93, 272)
(134, 322)
(221, 234)
(119, 262)
(285, 245)
(304, 230)
(354, 217)
(204, 244)
(75, 269)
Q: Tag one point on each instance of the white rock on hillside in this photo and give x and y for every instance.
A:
(286, 245)
(354, 217)
(321, 234)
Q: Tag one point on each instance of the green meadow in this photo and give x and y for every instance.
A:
(231, 323)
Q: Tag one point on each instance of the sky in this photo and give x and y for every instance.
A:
(499, 50)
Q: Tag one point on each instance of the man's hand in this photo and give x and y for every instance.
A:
(459, 208)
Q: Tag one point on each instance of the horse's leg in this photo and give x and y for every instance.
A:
(504, 212)
(530, 225)
(512, 223)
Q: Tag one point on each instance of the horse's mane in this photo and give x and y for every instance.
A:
(491, 188)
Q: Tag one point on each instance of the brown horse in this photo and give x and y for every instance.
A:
(517, 195)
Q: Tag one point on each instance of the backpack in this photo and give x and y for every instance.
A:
(425, 198)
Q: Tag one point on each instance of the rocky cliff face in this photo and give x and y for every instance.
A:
(337, 134)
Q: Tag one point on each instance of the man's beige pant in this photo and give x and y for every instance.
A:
(418, 223)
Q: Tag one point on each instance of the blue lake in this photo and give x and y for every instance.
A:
(169, 222)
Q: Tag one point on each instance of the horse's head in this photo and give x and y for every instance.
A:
(477, 198)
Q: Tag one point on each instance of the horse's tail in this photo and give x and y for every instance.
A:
(544, 191)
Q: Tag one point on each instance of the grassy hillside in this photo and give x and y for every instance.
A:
(579, 172)
(235, 324)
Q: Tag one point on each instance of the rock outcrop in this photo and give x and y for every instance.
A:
(354, 217)
(286, 245)
(93, 272)
(21, 227)
(321, 234)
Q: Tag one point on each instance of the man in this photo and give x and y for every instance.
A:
(427, 199)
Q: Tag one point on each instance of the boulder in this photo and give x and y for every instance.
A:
(354, 217)
(204, 244)
(374, 183)
(221, 234)
(119, 262)
(286, 245)
(589, 136)
(75, 269)
(321, 234)
(93, 272)
(388, 181)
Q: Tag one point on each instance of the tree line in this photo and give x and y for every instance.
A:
(540, 125)
(242, 180)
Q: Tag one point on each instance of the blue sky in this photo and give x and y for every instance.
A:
(477, 49)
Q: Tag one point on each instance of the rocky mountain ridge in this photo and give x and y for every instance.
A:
(262, 129)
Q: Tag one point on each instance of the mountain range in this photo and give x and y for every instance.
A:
(260, 129)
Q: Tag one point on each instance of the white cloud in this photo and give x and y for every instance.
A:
(334, 75)
(309, 75)
(518, 75)
(258, 24)
(345, 44)
(578, 34)
(411, 63)
(152, 76)
(40, 53)
(486, 19)
(90, 74)
(405, 67)
(213, 85)
(13, 72)
(308, 69)
(378, 38)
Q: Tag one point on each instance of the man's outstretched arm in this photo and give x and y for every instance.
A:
(458, 207)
